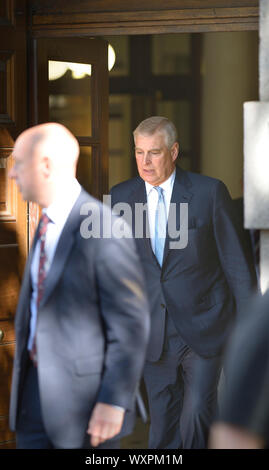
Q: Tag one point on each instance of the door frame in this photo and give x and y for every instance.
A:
(73, 50)
(103, 17)
(92, 18)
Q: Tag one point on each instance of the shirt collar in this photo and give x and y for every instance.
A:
(60, 208)
(167, 185)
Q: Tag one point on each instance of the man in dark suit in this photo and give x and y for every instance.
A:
(82, 320)
(243, 421)
(194, 290)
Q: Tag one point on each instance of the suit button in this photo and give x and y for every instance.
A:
(162, 305)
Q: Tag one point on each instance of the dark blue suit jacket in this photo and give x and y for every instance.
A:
(203, 285)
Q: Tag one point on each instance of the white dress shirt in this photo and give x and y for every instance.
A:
(152, 201)
(58, 213)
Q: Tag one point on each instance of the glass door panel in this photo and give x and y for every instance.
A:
(84, 168)
(70, 96)
(70, 86)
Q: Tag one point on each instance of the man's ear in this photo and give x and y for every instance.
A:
(174, 151)
(46, 166)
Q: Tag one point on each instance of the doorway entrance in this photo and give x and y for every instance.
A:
(198, 80)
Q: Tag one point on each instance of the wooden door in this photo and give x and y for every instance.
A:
(13, 211)
(61, 92)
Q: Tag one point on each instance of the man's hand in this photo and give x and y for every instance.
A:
(105, 422)
(228, 436)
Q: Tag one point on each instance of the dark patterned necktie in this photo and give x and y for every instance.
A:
(42, 257)
(41, 273)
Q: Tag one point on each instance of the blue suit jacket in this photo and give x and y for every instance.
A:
(203, 285)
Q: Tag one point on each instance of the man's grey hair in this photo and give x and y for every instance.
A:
(158, 124)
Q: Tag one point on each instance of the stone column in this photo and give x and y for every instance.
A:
(256, 152)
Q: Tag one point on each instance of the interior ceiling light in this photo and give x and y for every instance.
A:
(58, 68)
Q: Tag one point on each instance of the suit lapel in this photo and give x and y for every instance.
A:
(139, 196)
(181, 194)
(63, 249)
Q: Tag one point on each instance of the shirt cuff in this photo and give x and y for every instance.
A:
(118, 407)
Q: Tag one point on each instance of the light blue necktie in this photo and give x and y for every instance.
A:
(160, 226)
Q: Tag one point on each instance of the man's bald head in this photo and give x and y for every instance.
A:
(45, 160)
(52, 140)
